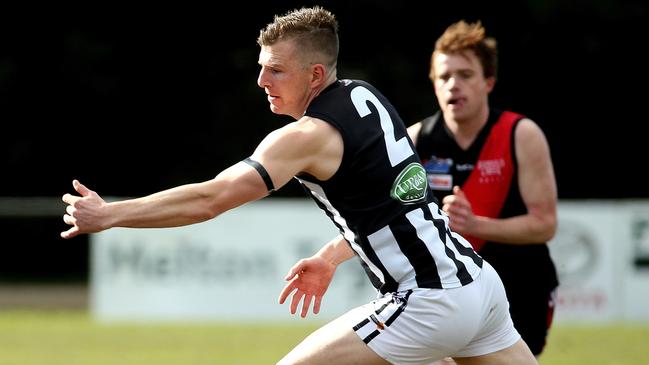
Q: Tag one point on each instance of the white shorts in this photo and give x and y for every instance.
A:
(420, 326)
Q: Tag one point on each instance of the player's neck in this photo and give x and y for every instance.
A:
(331, 78)
(465, 130)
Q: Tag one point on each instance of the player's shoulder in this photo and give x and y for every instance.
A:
(305, 129)
(528, 127)
(529, 135)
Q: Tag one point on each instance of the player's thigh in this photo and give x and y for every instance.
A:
(334, 343)
(517, 354)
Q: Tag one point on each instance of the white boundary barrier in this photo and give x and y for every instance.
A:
(232, 268)
(229, 268)
(602, 254)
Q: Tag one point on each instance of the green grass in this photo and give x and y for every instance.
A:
(71, 338)
(620, 344)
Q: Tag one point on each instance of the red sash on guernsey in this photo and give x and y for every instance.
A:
(488, 184)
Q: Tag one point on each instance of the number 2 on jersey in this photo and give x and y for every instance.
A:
(397, 150)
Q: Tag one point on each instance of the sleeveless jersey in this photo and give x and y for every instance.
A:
(379, 199)
(486, 172)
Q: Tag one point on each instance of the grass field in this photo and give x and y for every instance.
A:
(73, 338)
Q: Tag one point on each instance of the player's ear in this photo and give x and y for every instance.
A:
(491, 82)
(318, 74)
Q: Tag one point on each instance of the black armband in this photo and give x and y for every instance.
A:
(262, 171)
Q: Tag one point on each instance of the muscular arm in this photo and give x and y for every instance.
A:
(178, 206)
(307, 145)
(538, 190)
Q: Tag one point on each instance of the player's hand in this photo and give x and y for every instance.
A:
(308, 280)
(82, 212)
(458, 208)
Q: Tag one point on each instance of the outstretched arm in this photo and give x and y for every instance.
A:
(179, 206)
(307, 145)
(309, 278)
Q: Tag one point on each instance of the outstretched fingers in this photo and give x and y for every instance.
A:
(306, 283)
(290, 277)
(80, 188)
(316, 304)
(306, 304)
(286, 292)
(72, 201)
(295, 302)
(70, 232)
(69, 219)
(298, 296)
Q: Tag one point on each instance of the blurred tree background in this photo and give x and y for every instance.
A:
(134, 99)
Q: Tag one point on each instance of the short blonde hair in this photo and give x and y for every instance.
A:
(314, 29)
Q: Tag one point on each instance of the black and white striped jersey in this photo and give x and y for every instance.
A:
(379, 197)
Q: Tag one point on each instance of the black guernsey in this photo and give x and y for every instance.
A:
(379, 197)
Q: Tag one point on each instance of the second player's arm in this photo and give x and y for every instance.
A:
(538, 190)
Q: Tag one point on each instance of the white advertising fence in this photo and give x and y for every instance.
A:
(229, 268)
(232, 268)
(601, 251)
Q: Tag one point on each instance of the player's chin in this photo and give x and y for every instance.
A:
(457, 112)
(275, 108)
(279, 111)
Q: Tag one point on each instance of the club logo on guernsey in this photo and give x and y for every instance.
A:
(411, 185)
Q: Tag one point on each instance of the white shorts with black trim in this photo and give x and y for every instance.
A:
(420, 326)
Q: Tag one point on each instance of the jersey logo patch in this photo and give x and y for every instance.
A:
(491, 170)
(411, 185)
(438, 165)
